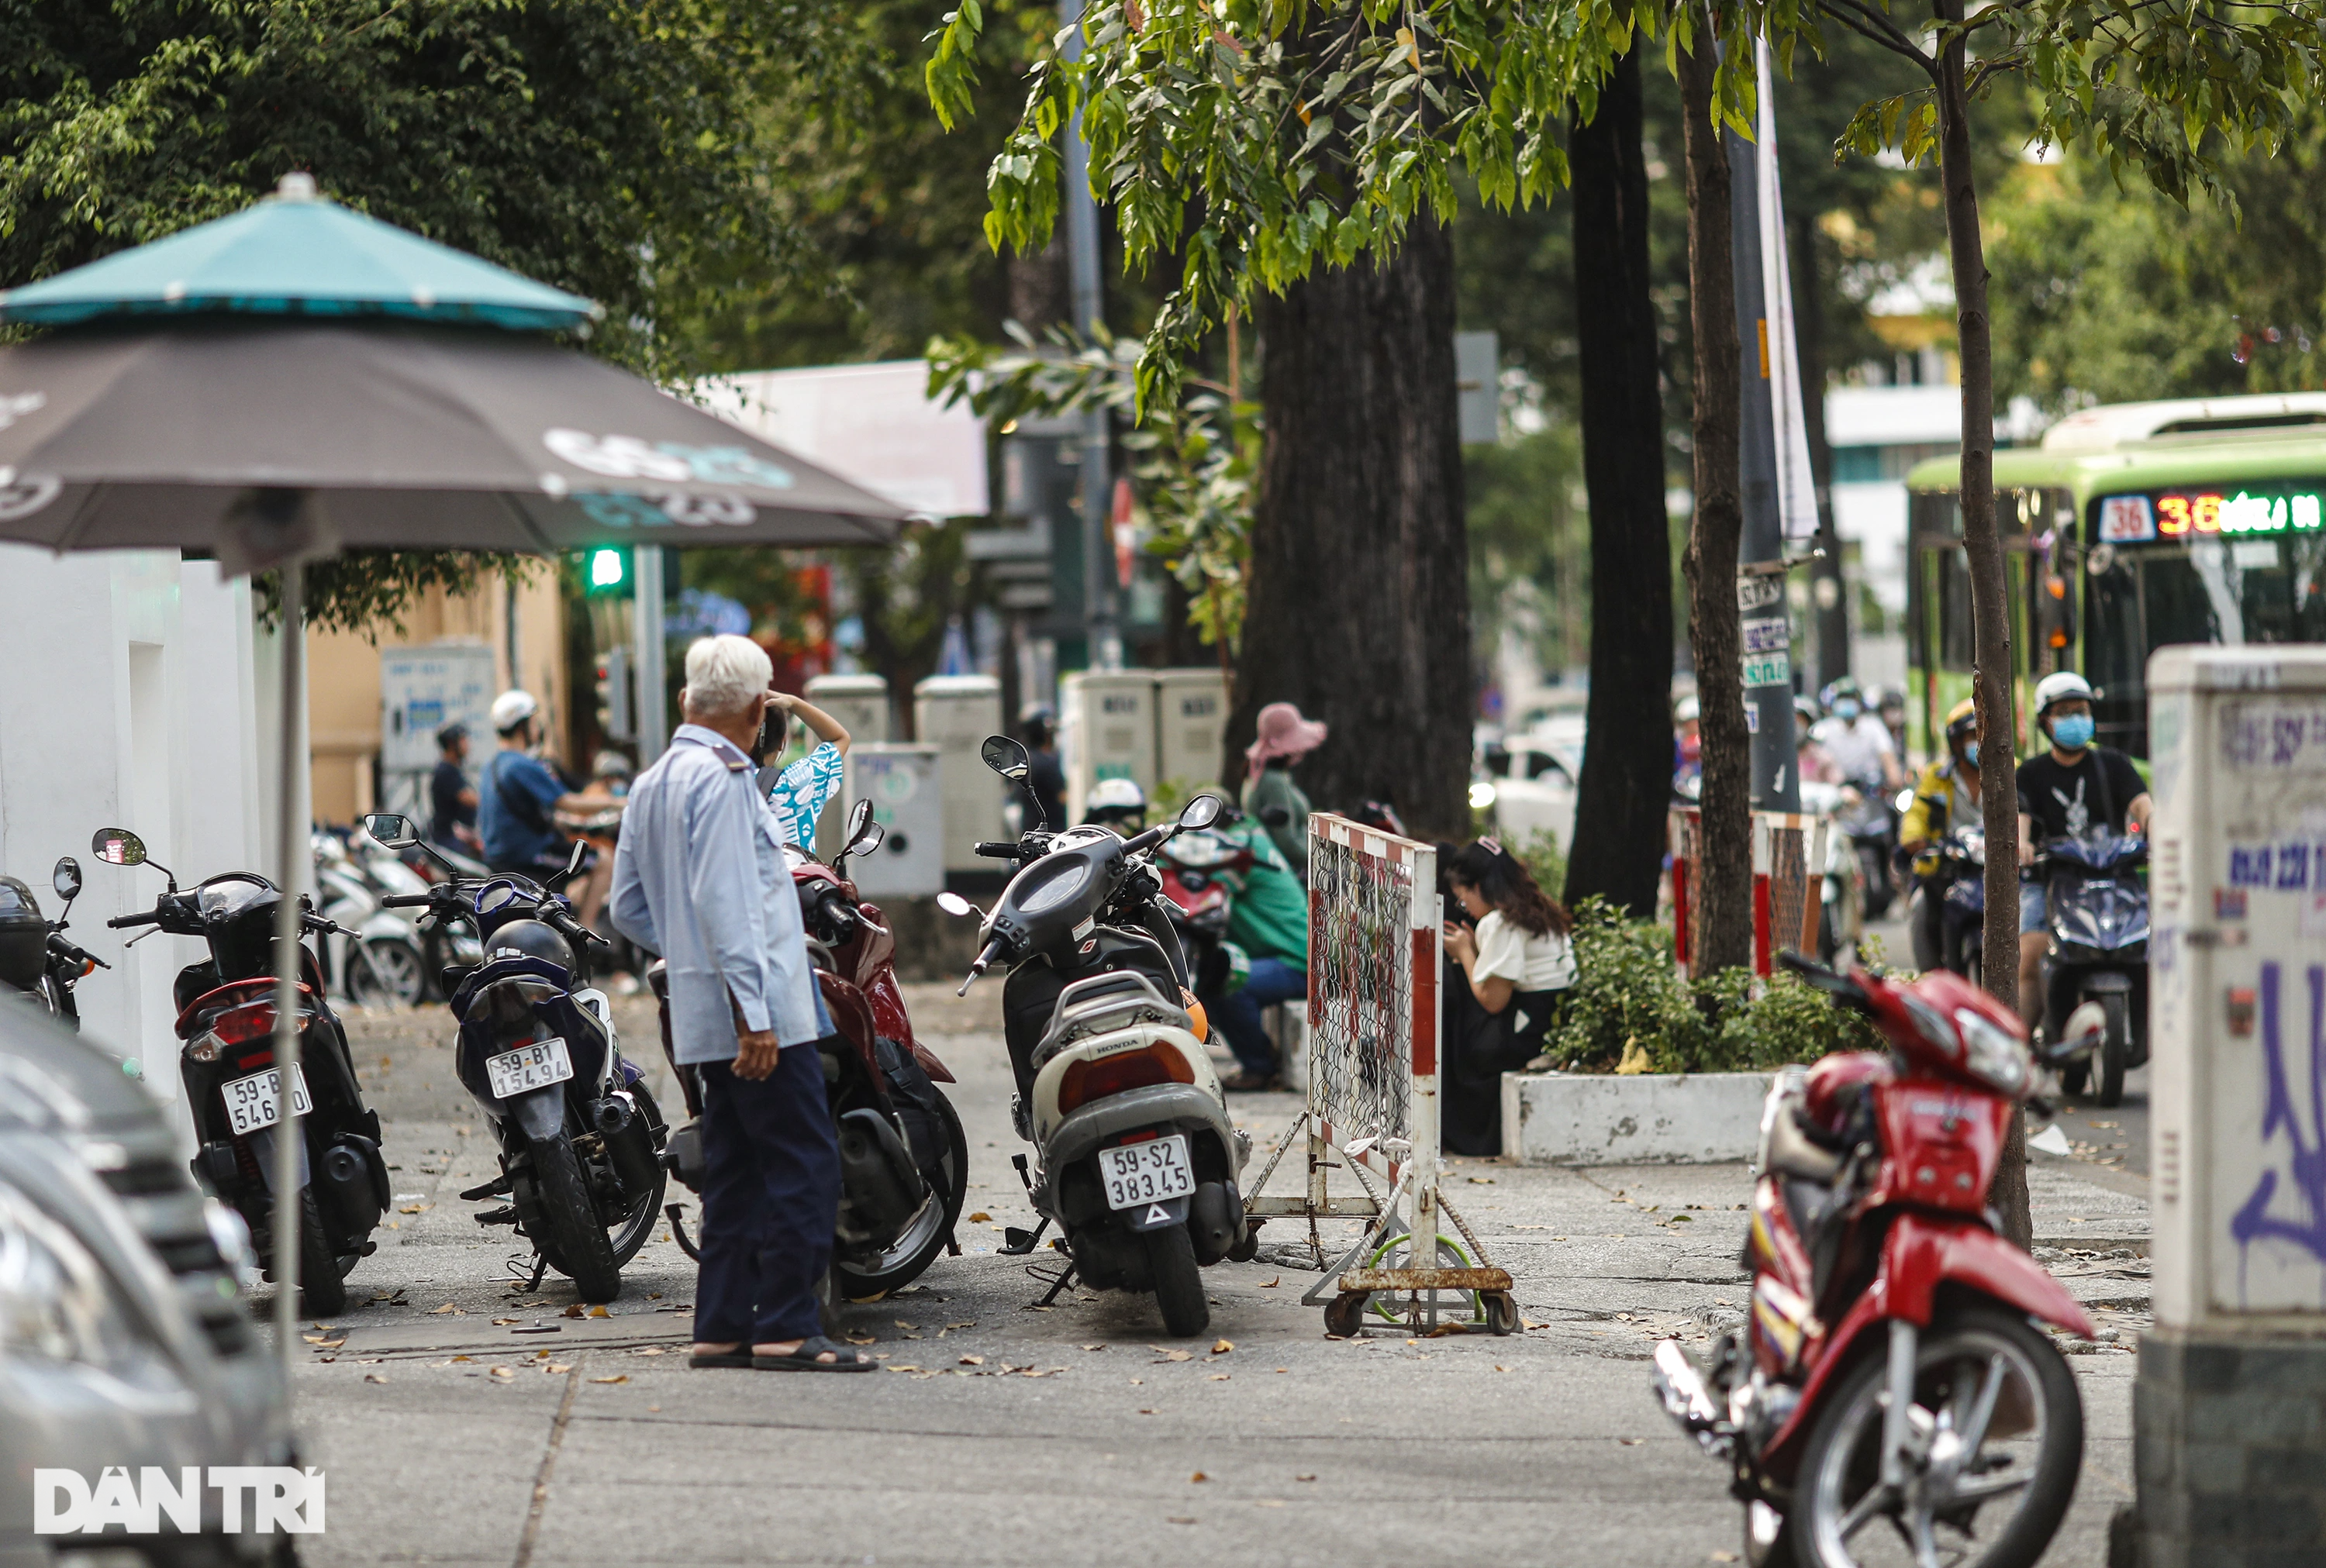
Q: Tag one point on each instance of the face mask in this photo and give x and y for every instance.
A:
(1970, 753)
(1846, 709)
(2073, 733)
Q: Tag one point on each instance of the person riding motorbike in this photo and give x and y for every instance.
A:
(1812, 763)
(1118, 803)
(2064, 794)
(520, 797)
(1946, 796)
(1858, 741)
(1687, 746)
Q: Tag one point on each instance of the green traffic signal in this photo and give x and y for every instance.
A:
(606, 570)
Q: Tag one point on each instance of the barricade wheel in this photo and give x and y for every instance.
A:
(1346, 1314)
(1502, 1312)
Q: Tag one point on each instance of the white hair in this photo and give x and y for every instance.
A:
(725, 674)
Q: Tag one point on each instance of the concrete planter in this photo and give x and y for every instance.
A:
(1647, 1118)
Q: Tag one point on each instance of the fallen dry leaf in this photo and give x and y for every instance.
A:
(617, 1377)
(1219, 1377)
(1223, 1346)
(599, 1312)
(1272, 1284)
(651, 1350)
(1630, 1442)
(1482, 1181)
(439, 1312)
(972, 1361)
(572, 1312)
(555, 1369)
(503, 1372)
(1304, 1478)
(1093, 1347)
(374, 1378)
(980, 1217)
(1176, 1355)
(1198, 1476)
(415, 1207)
(499, 1322)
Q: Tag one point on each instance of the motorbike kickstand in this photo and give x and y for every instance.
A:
(1065, 1276)
(1011, 1247)
(678, 1231)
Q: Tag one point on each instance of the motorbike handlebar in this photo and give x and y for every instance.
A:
(1149, 839)
(994, 851)
(121, 922)
(985, 961)
(406, 900)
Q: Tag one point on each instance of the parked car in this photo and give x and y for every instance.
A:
(124, 1337)
(1529, 779)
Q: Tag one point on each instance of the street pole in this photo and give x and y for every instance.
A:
(646, 630)
(1761, 603)
(1103, 637)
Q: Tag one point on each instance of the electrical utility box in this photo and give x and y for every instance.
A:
(1106, 729)
(903, 783)
(2234, 1373)
(955, 713)
(1191, 722)
(860, 703)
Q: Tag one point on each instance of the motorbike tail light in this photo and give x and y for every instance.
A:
(241, 1025)
(1087, 1081)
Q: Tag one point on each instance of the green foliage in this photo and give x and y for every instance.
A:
(1544, 861)
(1628, 1000)
(1530, 546)
(370, 590)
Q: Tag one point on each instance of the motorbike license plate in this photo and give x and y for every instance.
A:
(534, 1066)
(254, 1103)
(1146, 1173)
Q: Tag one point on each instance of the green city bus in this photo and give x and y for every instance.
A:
(2130, 528)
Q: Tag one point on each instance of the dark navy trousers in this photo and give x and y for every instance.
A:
(770, 1199)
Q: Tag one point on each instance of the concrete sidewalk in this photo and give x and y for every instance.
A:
(503, 1431)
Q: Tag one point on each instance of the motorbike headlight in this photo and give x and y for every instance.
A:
(1993, 1053)
(1482, 795)
(1062, 887)
(57, 1303)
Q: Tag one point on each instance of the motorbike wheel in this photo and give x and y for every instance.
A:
(2116, 1051)
(574, 1238)
(1178, 1282)
(386, 974)
(323, 1287)
(900, 1263)
(1768, 1538)
(1998, 1386)
(1875, 868)
(644, 1212)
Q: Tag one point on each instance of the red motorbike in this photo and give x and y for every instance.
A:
(903, 1159)
(1890, 1398)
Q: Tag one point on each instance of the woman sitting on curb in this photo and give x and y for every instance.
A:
(1518, 964)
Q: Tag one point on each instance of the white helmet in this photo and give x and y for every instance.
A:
(513, 708)
(1115, 794)
(1686, 712)
(2062, 686)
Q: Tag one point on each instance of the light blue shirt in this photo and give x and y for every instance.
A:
(700, 879)
(803, 789)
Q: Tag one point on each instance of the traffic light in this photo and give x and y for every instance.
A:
(606, 569)
(614, 718)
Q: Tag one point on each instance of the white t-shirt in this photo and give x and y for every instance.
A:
(1529, 962)
(1856, 746)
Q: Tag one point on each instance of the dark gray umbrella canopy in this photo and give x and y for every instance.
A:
(406, 435)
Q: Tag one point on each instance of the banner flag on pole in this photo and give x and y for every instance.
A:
(1797, 509)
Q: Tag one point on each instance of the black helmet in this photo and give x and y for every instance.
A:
(24, 935)
(532, 939)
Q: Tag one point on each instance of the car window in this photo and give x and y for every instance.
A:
(1542, 764)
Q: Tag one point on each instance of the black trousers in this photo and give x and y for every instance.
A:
(1478, 1047)
(770, 1199)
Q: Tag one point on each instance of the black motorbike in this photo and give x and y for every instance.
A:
(581, 1135)
(1960, 884)
(1870, 817)
(36, 959)
(2096, 906)
(1139, 1161)
(225, 1030)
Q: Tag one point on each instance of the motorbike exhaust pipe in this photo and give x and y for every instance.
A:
(611, 1115)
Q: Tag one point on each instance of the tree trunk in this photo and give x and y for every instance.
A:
(1990, 613)
(1358, 596)
(1809, 334)
(1723, 890)
(1618, 844)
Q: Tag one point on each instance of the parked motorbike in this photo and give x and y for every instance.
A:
(226, 1024)
(904, 1158)
(1890, 1398)
(1197, 902)
(1137, 1160)
(2096, 906)
(381, 962)
(1960, 887)
(581, 1135)
(36, 959)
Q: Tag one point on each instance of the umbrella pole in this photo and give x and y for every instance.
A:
(289, 1135)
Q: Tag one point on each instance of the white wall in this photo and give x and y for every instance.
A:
(126, 698)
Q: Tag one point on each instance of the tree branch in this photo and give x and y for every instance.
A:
(1871, 24)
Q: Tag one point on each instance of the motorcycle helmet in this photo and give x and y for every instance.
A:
(511, 709)
(1805, 714)
(529, 939)
(1962, 721)
(1686, 711)
(2060, 686)
(1842, 698)
(1117, 802)
(24, 935)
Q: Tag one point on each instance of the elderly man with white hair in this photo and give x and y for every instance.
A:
(700, 879)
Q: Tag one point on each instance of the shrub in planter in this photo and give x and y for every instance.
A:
(1628, 1000)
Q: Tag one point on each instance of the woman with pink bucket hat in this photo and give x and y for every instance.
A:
(1283, 738)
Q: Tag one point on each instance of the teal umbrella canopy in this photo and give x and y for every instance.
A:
(297, 254)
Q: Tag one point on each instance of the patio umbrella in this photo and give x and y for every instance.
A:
(299, 378)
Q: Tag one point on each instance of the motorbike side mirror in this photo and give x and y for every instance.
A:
(66, 879)
(118, 846)
(1007, 756)
(580, 852)
(392, 831)
(1200, 812)
(864, 834)
(955, 904)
